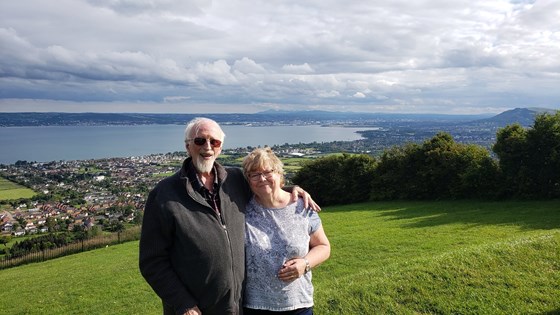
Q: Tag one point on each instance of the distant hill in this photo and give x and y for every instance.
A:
(264, 118)
(319, 115)
(522, 116)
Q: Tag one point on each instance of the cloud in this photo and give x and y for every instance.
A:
(248, 66)
(299, 69)
(359, 95)
(175, 99)
(459, 56)
(139, 7)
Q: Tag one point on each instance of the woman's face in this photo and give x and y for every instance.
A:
(264, 181)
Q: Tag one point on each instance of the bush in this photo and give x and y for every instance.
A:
(337, 179)
(440, 168)
(530, 158)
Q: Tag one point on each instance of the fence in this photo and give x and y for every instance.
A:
(131, 234)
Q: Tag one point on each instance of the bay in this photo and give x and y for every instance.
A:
(55, 143)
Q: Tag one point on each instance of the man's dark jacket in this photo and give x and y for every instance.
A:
(187, 255)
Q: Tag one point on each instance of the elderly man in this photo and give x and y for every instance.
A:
(192, 241)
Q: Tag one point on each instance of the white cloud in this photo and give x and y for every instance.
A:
(247, 66)
(175, 99)
(391, 55)
(139, 7)
(218, 72)
(299, 69)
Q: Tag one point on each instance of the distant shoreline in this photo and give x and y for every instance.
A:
(52, 143)
(258, 119)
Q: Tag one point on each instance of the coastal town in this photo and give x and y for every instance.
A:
(110, 193)
(81, 193)
(87, 193)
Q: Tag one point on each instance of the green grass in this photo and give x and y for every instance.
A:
(461, 257)
(10, 190)
(441, 258)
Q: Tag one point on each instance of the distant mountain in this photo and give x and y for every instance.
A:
(522, 116)
(261, 118)
(319, 115)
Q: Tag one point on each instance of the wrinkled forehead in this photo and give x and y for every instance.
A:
(207, 130)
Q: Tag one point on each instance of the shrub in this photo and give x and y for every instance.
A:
(337, 179)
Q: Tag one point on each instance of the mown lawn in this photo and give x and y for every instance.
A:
(461, 257)
(12, 191)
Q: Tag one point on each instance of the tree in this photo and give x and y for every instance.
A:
(337, 179)
(21, 221)
(511, 149)
(530, 158)
(355, 174)
(438, 169)
(395, 174)
(5, 239)
(80, 233)
(115, 226)
(481, 178)
(543, 145)
(51, 223)
(138, 217)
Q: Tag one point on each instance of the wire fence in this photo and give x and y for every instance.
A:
(127, 235)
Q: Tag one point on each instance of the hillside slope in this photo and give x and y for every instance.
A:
(522, 116)
(459, 257)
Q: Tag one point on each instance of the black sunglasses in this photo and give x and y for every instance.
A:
(215, 143)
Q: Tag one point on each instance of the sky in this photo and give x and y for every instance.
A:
(231, 56)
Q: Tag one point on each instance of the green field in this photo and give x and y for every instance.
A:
(462, 257)
(10, 190)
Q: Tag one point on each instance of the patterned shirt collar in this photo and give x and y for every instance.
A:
(195, 181)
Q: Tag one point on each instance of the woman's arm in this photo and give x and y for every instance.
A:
(319, 248)
(319, 251)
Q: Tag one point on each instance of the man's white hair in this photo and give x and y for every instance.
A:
(193, 125)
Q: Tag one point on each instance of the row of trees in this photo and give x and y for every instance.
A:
(524, 163)
(53, 239)
(40, 243)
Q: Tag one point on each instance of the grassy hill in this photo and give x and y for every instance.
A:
(459, 257)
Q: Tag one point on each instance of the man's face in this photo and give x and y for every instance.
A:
(204, 153)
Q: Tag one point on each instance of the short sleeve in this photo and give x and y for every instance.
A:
(314, 222)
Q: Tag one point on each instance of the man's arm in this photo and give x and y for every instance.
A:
(154, 260)
(308, 202)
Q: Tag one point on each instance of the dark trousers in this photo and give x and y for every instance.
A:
(299, 311)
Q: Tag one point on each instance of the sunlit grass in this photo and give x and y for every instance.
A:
(12, 191)
(391, 258)
(462, 257)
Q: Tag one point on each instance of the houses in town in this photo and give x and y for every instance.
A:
(81, 193)
(87, 193)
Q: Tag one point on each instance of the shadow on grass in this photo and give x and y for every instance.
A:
(525, 214)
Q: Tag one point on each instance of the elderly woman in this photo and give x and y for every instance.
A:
(283, 242)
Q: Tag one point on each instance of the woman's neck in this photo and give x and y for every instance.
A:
(275, 200)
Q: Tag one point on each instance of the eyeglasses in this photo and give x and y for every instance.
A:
(215, 143)
(257, 176)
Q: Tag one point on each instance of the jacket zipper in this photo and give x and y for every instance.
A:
(224, 226)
